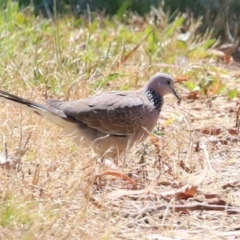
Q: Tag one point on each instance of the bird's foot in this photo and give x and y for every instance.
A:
(106, 163)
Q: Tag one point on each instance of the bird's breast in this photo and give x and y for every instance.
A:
(150, 121)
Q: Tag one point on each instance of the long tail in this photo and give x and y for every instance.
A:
(51, 114)
(23, 103)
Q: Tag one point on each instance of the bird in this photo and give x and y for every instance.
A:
(109, 122)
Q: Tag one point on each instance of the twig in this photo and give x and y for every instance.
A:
(206, 155)
(6, 151)
(184, 208)
(238, 120)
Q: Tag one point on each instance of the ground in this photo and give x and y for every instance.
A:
(182, 183)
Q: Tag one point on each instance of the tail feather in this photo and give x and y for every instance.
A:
(54, 115)
(23, 103)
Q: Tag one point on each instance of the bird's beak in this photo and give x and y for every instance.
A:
(176, 95)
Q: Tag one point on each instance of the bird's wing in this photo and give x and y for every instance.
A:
(118, 113)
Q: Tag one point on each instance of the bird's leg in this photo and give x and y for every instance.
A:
(100, 160)
(104, 162)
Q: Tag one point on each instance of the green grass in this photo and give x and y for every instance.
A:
(49, 189)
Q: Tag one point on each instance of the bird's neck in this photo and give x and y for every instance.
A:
(155, 98)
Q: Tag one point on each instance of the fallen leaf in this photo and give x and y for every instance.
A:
(180, 79)
(194, 95)
(119, 175)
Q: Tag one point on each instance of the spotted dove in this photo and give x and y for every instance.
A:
(109, 122)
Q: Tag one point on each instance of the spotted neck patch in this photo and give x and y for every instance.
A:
(155, 98)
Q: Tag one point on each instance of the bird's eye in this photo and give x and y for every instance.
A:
(168, 82)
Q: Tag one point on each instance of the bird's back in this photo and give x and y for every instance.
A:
(118, 112)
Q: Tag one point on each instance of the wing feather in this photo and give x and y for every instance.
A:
(119, 113)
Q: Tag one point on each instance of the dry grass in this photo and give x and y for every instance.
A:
(49, 189)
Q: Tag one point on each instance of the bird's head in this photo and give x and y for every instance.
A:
(163, 84)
